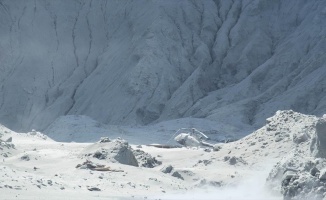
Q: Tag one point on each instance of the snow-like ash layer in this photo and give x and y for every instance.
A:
(39, 166)
(138, 62)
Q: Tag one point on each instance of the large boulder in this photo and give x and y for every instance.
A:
(299, 177)
(145, 159)
(117, 150)
(305, 184)
(318, 145)
(322, 175)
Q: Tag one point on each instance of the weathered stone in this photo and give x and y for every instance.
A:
(226, 158)
(217, 147)
(300, 137)
(177, 175)
(94, 189)
(318, 146)
(232, 160)
(101, 155)
(278, 138)
(25, 157)
(145, 159)
(9, 139)
(167, 169)
(322, 175)
(314, 171)
(117, 150)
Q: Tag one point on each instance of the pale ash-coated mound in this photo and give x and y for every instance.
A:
(300, 175)
(119, 150)
(114, 151)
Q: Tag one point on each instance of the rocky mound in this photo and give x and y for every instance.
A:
(120, 151)
(145, 159)
(5, 145)
(299, 177)
(302, 173)
(117, 150)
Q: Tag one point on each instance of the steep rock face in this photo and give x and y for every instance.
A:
(318, 146)
(138, 62)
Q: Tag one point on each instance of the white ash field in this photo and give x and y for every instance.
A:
(285, 158)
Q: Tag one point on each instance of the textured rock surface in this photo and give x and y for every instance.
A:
(167, 169)
(137, 62)
(117, 150)
(300, 175)
(319, 141)
(145, 159)
(301, 178)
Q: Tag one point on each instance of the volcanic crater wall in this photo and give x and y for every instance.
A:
(139, 62)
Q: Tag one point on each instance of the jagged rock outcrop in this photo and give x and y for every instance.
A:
(117, 150)
(318, 145)
(301, 174)
(145, 159)
(299, 178)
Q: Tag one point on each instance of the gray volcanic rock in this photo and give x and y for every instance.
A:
(145, 159)
(117, 150)
(301, 174)
(298, 177)
(322, 175)
(319, 141)
(167, 169)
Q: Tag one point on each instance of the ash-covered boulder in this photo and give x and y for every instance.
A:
(177, 175)
(9, 139)
(298, 177)
(232, 160)
(167, 169)
(318, 146)
(145, 159)
(300, 137)
(322, 175)
(117, 150)
(25, 157)
(6, 146)
(123, 153)
(300, 174)
(217, 147)
(285, 165)
(120, 151)
(302, 186)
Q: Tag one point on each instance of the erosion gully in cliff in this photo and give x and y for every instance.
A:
(143, 62)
